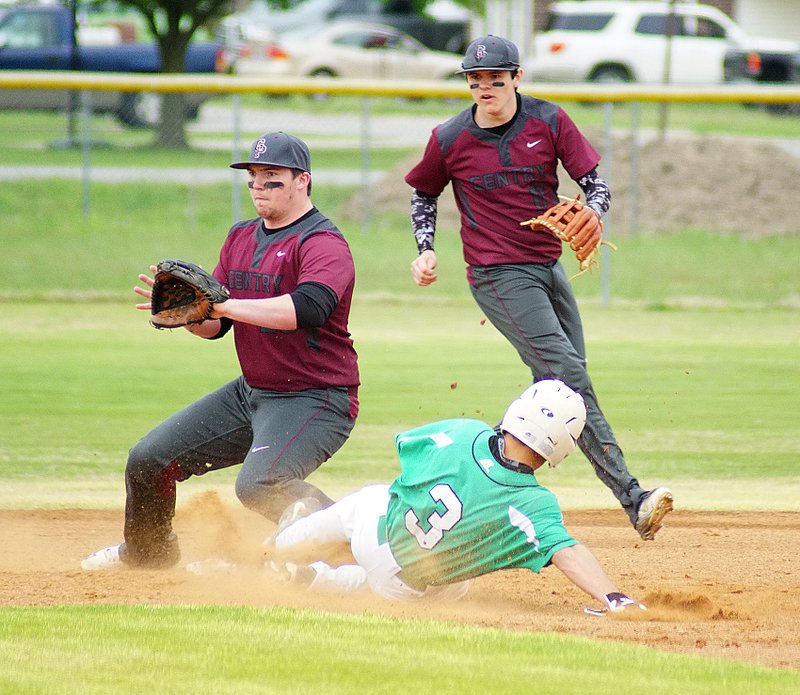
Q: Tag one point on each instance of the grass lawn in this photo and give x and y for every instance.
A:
(695, 363)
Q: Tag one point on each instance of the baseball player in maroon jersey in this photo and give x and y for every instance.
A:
(501, 156)
(291, 277)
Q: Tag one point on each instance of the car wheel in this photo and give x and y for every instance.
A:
(610, 74)
(783, 109)
(323, 73)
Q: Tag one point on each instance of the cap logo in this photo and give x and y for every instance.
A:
(259, 148)
(480, 52)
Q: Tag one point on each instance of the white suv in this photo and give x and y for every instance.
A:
(627, 42)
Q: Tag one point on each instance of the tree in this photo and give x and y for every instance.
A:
(173, 23)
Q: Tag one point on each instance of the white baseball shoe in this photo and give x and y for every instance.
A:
(652, 510)
(296, 510)
(104, 559)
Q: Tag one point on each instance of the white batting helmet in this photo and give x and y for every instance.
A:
(548, 417)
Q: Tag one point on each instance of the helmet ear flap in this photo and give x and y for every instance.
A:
(548, 418)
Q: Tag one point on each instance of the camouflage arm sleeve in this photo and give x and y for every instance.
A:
(596, 192)
(423, 219)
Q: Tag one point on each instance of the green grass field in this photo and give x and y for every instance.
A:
(695, 360)
(176, 650)
(18, 135)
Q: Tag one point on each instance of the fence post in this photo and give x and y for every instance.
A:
(633, 219)
(365, 163)
(605, 257)
(236, 149)
(86, 148)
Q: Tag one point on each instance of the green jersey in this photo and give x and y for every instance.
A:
(455, 512)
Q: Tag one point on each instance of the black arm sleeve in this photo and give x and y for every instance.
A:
(313, 304)
(225, 324)
(596, 192)
(423, 219)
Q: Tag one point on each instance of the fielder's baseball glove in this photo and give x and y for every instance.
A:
(183, 293)
(556, 221)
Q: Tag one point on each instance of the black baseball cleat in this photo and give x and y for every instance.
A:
(652, 510)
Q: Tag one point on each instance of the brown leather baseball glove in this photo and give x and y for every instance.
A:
(577, 226)
(183, 293)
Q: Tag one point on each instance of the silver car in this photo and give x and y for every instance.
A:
(351, 49)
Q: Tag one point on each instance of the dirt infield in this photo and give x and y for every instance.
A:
(717, 584)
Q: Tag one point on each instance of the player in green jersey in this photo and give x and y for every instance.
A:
(466, 503)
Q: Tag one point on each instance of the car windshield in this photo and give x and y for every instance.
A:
(579, 22)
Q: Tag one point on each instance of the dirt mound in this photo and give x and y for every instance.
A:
(721, 185)
(717, 584)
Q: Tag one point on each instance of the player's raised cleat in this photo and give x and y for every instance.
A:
(296, 510)
(107, 558)
(652, 510)
(292, 573)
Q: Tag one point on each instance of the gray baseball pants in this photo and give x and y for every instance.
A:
(534, 307)
(278, 438)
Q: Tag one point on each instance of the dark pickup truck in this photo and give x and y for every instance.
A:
(34, 37)
(764, 67)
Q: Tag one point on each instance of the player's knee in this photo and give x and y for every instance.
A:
(269, 498)
(142, 462)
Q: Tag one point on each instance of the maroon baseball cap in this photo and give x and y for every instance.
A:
(280, 150)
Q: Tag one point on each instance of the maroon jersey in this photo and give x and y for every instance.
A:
(501, 180)
(255, 263)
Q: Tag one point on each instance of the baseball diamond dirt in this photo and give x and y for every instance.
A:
(717, 584)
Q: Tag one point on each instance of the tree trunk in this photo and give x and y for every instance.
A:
(171, 131)
(172, 127)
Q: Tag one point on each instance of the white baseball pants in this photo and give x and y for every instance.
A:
(355, 519)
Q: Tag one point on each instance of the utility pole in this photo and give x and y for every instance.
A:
(672, 21)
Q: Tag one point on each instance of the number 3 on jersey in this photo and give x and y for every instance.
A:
(439, 523)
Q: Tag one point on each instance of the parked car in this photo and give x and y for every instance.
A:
(611, 41)
(747, 66)
(41, 37)
(744, 66)
(438, 33)
(350, 49)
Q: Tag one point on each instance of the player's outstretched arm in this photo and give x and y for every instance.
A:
(271, 312)
(583, 569)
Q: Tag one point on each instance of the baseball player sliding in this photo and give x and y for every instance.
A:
(466, 503)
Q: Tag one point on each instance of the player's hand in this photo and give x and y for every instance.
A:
(616, 603)
(584, 232)
(145, 291)
(423, 268)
